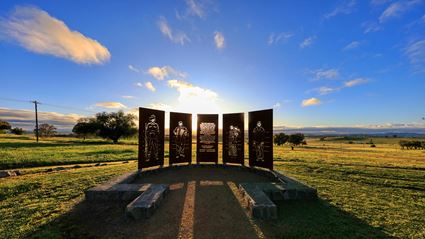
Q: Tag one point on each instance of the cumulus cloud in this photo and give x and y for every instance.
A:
(326, 74)
(25, 118)
(310, 102)
(354, 82)
(219, 40)
(352, 45)
(111, 105)
(178, 37)
(307, 42)
(161, 73)
(279, 38)
(37, 31)
(397, 9)
(346, 7)
(193, 98)
(415, 51)
(150, 86)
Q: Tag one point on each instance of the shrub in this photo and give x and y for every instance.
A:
(17, 131)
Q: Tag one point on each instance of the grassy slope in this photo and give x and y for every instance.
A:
(383, 186)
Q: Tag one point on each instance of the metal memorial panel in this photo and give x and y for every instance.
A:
(233, 138)
(207, 138)
(261, 138)
(180, 138)
(151, 137)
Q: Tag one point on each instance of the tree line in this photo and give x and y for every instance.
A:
(113, 126)
(412, 144)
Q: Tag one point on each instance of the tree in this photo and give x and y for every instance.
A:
(296, 139)
(115, 125)
(85, 127)
(17, 131)
(4, 125)
(46, 130)
(280, 139)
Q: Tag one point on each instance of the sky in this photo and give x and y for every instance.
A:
(316, 63)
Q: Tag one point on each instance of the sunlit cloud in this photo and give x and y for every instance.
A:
(279, 38)
(37, 31)
(352, 45)
(161, 73)
(354, 82)
(193, 98)
(307, 42)
(150, 86)
(111, 105)
(25, 118)
(219, 40)
(397, 9)
(415, 51)
(177, 37)
(310, 102)
(346, 7)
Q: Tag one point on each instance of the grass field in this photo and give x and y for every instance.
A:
(364, 192)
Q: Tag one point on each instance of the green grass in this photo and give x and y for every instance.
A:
(382, 187)
(23, 151)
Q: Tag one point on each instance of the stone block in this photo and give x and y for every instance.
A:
(145, 204)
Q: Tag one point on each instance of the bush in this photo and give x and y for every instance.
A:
(412, 144)
(46, 130)
(4, 125)
(372, 146)
(17, 131)
(280, 139)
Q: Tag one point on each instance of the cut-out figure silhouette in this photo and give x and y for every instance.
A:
(151, 139)
(181, 134)
(258, 141)
(234, 135)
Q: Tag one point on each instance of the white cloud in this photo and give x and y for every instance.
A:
(111, 105)
(370, 26)
(37, 31)
(150, 86)
(307, 42)
(310, 102)
(281, 37)
(138, 84)
(25, 118)
(133, 68)
(397, 9)
(127, 97)
(326, 90)
(354, 82)
(176, 37)
(345, 7)
(415, 51)
(378, 2)
(194, 98)
(161, 106)
(161, 73)
(326, 74)
(277, 105)
(219, 40)
(195, 8)
(352, 45)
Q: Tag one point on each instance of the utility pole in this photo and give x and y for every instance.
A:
(36, 118)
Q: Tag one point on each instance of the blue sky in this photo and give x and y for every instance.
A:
(317, 63)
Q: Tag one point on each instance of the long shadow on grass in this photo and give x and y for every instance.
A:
(204, 203)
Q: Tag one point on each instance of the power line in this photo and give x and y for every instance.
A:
(47, 104)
